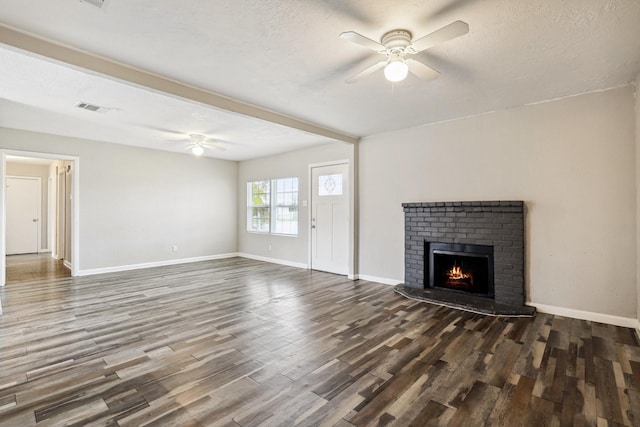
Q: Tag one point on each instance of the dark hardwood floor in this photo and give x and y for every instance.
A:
(243, 343)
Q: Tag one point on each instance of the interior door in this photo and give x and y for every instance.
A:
(23, 215)
(330, 218)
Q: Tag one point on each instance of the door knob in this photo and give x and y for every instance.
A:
(35, 220)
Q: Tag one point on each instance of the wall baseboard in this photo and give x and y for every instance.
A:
(627, 322)
(119, 268)
(383, 280)
(273, 260)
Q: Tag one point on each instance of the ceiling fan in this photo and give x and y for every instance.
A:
(197, 143)
(397, 46)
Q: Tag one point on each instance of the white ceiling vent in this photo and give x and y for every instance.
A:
(98, 3)
(91, 107)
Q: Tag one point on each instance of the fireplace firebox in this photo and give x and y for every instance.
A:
(463, 268)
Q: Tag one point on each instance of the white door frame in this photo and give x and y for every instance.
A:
(39, 181)
(51, 217)
(351, 250)
(75, 206)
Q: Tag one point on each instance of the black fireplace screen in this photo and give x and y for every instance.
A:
(461, 268)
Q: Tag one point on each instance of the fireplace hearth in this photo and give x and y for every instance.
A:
(467, 255)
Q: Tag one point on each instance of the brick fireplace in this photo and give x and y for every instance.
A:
(497, 227)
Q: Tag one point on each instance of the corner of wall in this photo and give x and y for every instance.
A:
(637, 117)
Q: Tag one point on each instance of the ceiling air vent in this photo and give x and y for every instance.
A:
(91, 107)
(98, 3)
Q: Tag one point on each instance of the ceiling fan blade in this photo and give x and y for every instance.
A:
(212, 143)
(448, 32)
(366, 72)
(423, 71)
(361, 40)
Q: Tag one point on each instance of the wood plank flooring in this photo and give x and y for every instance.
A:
(238, 342)
(29, 267)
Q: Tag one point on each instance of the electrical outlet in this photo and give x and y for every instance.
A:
(174, 248)
(269, 248)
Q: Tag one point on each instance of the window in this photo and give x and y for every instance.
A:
(285, 218)
(272, 206)
(258, 206)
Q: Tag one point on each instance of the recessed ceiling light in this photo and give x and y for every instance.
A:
(98, 3)
(93, 107)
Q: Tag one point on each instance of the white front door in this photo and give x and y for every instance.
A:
(23, 215)
(330, 218)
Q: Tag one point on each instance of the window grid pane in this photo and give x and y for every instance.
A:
(258, 206)
(286, 207)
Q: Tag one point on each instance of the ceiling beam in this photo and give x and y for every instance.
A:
(128, 74)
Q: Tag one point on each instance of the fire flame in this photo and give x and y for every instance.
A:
(456, 273)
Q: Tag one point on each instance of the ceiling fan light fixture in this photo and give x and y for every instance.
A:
(396, 70)
(398, 44)
(197, 150)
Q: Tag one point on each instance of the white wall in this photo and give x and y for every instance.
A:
(16, 168)
(572, 161)
(291, 249)
(136, 203)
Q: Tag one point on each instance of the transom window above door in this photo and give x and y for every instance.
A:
(330, 185)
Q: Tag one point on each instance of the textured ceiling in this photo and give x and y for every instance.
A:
(286, 56)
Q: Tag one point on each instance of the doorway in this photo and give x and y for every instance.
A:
(59, 246)
(330, 218)
(62, 234)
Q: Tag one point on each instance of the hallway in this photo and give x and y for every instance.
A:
(30, 267)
